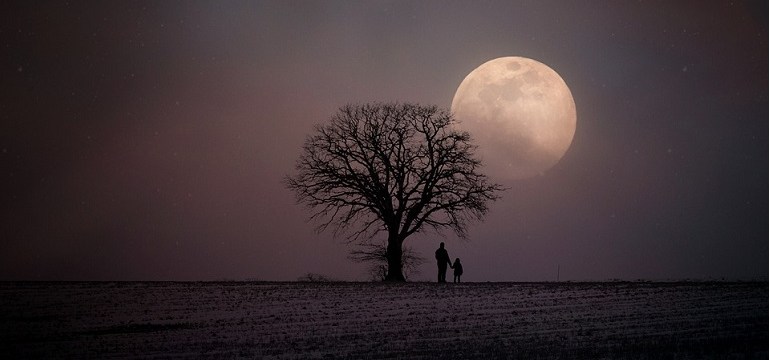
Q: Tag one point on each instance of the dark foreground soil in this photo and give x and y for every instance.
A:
(368, 320)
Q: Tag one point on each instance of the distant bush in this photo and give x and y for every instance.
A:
(312, 277)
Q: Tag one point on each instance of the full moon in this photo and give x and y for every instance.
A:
(519, 112)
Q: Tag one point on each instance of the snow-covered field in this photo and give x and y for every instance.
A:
(371, 320)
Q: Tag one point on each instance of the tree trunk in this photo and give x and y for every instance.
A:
(395, 264)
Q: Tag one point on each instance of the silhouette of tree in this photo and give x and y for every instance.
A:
(376, 254)
(394, 168)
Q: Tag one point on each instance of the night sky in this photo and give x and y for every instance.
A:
(148, 140)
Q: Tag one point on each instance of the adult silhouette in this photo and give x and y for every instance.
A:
(442, 260)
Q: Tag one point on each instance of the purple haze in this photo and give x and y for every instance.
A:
(148, 140)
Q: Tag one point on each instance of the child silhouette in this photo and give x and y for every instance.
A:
(458, 270)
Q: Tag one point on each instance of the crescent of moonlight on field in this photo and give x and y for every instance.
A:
(519, 112)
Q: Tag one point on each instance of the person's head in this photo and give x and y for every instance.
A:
(441, 245)
(457, 261)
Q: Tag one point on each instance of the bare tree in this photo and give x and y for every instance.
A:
(394, 168)
(376, 255)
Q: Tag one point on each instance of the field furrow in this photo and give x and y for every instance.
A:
(370, 320)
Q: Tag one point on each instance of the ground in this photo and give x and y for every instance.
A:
(371, 320)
